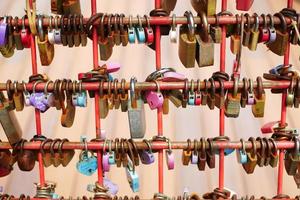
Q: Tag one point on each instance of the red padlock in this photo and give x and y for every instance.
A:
(25, 35)
(148, 32)
(264, 33)
(244, 5)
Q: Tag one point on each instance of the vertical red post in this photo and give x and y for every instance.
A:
(37, 113)
(159, 111)
(222, 116)
(97, 107)
(283, 116)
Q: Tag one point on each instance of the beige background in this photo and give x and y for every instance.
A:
(180, 124)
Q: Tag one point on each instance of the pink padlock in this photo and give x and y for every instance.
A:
(170, 157)
(155, 99)
(172, 76)
(269, 127)
(244, 5)
(105, 158)
(112, 67)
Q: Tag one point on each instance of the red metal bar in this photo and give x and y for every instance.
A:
(155, 145)
(159, 111)
(222, 117)
(37, 113)
(283, 116)
(97, 107)
(161, 21)
(94, 86)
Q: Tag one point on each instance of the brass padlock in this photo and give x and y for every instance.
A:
(247, 31)
(103, 102)
(168, 5)
(71, 7)
(187, 42)
(292, 158)
(9, 121)
(279, 46)
(204, 49)
(186, 154)
(232, 102)
(258, 108)
(57, 7)
(216, 31)
(251, 158)
(206, 6)
(235, 39)
(123, 31)
(104, 46)
(254, 36)
(291, 93)
(46, 49)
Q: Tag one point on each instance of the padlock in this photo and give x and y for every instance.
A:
(232, 102)
(132, 177)
(173, 32)
(205, 6)
(110, 33)
(57, 31)
(124, 34)
(269, 127)
(46, 49)
(216, 31)
(204, 49)
(136, 113)
(254, 36)
(202, 155)
(210, 154)
(292, 158)
(186, 154)
(168, 5)
(147, 156)
(50, 31)
(170, 159)
(25, 35)
(261, 155)
(187, 42)
(3, 32)
(204, 94)
(274, 154)
(87, 165)
(112, 187)
(140, 33)
(258, 108)
(117, 32)
(279, 46)
(220, 96)
(297, 94)
(131, 32)
(241, 154)
(57, 7)
(211, 100)
(17, 36)
(106, 49)
(235, 39)
(264, 33)
(247, 31)
(149, 33)
(71, 7)
(244, 5)
(154, 99)
(290, 94)
(105, 159)
(194, 156)
(5, 160)
(191, 95)
(9, 121)
(251, 158)
(26, 158)
(103, 102)
(250, 99)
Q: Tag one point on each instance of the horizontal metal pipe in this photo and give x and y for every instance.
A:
(156, 145)
(160, 20)
(94, 86)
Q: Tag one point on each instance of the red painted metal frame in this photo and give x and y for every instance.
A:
(222, 112)
(97, 107)
(159, 111)
(37, 112)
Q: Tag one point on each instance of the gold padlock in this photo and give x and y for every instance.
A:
(71, 7)
(206, 6)
(104, 45)
(187, 42)
(46, 49)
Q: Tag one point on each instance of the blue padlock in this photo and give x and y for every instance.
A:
(241, 154)
(132, 177)
(140, 32)
(82, 99)
(87, 165)
(131, 33)
(191, 100)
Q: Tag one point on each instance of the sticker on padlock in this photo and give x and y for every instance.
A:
(132, 177)
(241, 154)
(87, 165)
(147, 156)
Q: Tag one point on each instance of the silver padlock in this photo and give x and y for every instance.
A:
(136, 113)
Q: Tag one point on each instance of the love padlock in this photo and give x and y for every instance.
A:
(36, 100)
(155, 99)
(132, 177)
(269, 127)
(131, 32)
(244, 5)
(194, 156)
(172, 76)
(140, 33)
(170, 157)
(147, 156)
(87, 165)
(105, 158)
(3, 32)
(112, 187)
(25, 35)
(241, 154)
(112, 67)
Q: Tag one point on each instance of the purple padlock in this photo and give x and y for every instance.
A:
(155, 99)
(112, 187)
(172, 76)
(36, 100)
(105, 158)
(112, 67)
(170, 159)
(147, 156)
(3, 32)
